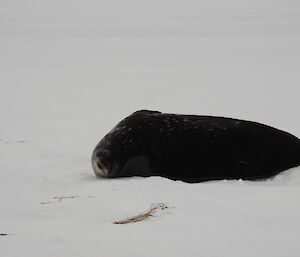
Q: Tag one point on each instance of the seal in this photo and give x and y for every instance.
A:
(194, 148)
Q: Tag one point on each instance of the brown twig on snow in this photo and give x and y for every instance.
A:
(48, 202)
(60, 198)
(145, 215)
(20, 141)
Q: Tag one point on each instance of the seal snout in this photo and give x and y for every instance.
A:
(99, 169)
(98, 166)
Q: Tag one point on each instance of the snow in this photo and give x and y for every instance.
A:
(70, 70)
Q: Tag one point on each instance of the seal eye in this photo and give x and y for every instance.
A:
(103, 153)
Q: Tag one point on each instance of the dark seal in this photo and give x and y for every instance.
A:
(194, 148)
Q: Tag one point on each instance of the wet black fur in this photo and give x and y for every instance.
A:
(196, 148)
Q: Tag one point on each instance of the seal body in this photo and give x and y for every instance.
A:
(194, 148)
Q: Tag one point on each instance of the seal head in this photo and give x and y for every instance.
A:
(125, 150)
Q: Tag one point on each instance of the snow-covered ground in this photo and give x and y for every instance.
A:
(70, 70)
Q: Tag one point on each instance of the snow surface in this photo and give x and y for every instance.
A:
(70, 70)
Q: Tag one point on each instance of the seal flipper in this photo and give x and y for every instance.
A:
(137, 165)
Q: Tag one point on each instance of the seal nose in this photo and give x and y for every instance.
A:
(98, 167)
(101, 167)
